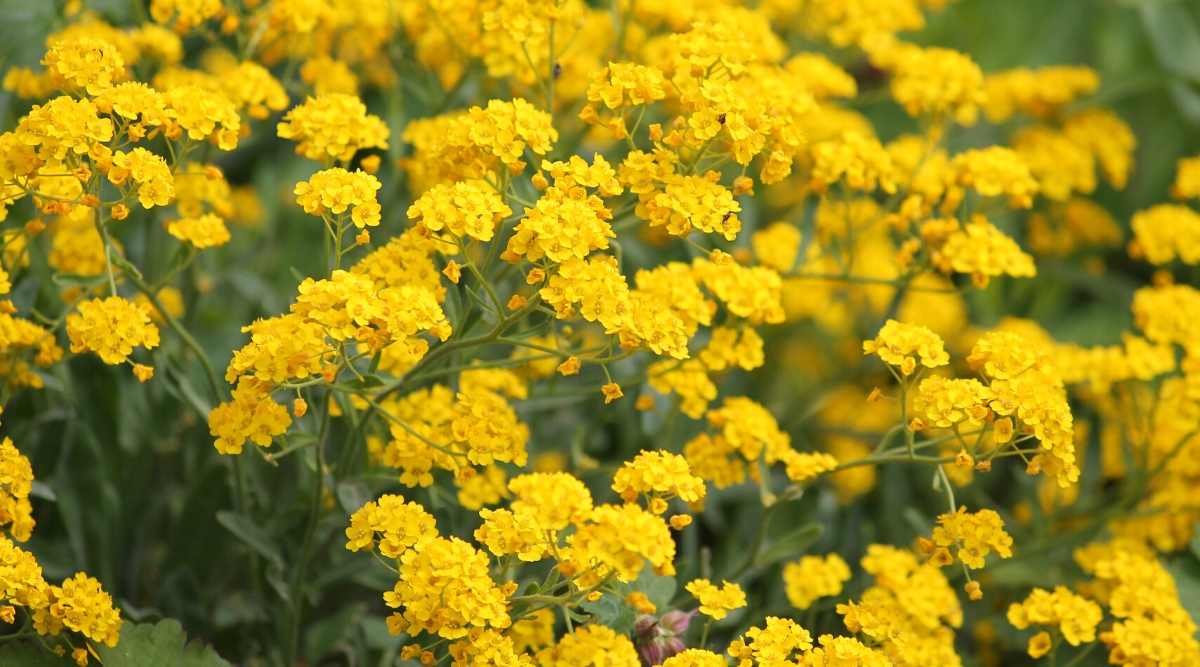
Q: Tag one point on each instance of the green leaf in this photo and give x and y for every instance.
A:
(537, 330)
(159, 645)
(335, 633)
(1174, 36)
(659, 589)
(24, 654)
(74, 280)
(199, 654)
(611, 611)
(368, 382)
(353, 495)
(791, 545)
(253, 536)
(1187, 581)
(275, 578)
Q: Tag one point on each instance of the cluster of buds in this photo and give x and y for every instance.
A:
(659, 638)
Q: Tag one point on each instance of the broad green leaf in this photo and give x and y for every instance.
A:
(159, 645)
(611, 611)
(1174, 36)
(353, 495)
(791, 545)
(199, 654)
(252, 535)
(659, 589)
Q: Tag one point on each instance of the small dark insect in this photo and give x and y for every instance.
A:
(727, 216)
(721, 119)
(557, 70)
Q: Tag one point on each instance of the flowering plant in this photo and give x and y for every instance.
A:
(564, 333)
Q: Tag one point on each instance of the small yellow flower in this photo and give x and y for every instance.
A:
(143, 373)
(570, 366)
(1002, 430)
(974, 591)
(517, 302)
(681, 521)
(645, 402)
(453, 271)
(299, 407)
(640, 603)
(612, 391)
(717, 602)
(370, 164)
(1039, 645)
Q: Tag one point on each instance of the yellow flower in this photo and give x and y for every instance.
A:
(333, 127)
(462, 209)
(658, 475)
(85, 64)
(1039, 645)
(185, 14)
(251, 87)
(814, 577)
(207, 231)
(336, 191)
(398, 526)
(111, 328)
(717, 602)
(976, 535)
(1074, 616)
(900, 344)
(82, 606)
(591, 644)
(561, 227)
(997, 170)
(1039, 93)
(445, 587)
(156, 185)
(204, 114)
(622, 538)
(1164, 232)
(63, 126)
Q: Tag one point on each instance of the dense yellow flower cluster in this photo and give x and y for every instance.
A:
(814, 577)
(1074, 616)
(333, 127)
(111, 328)
(549, 151)
(80, 605)
(899, 345)
(337, 191)
(716, 602)
(1152, 626)
(975, 536)
(661, 476)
